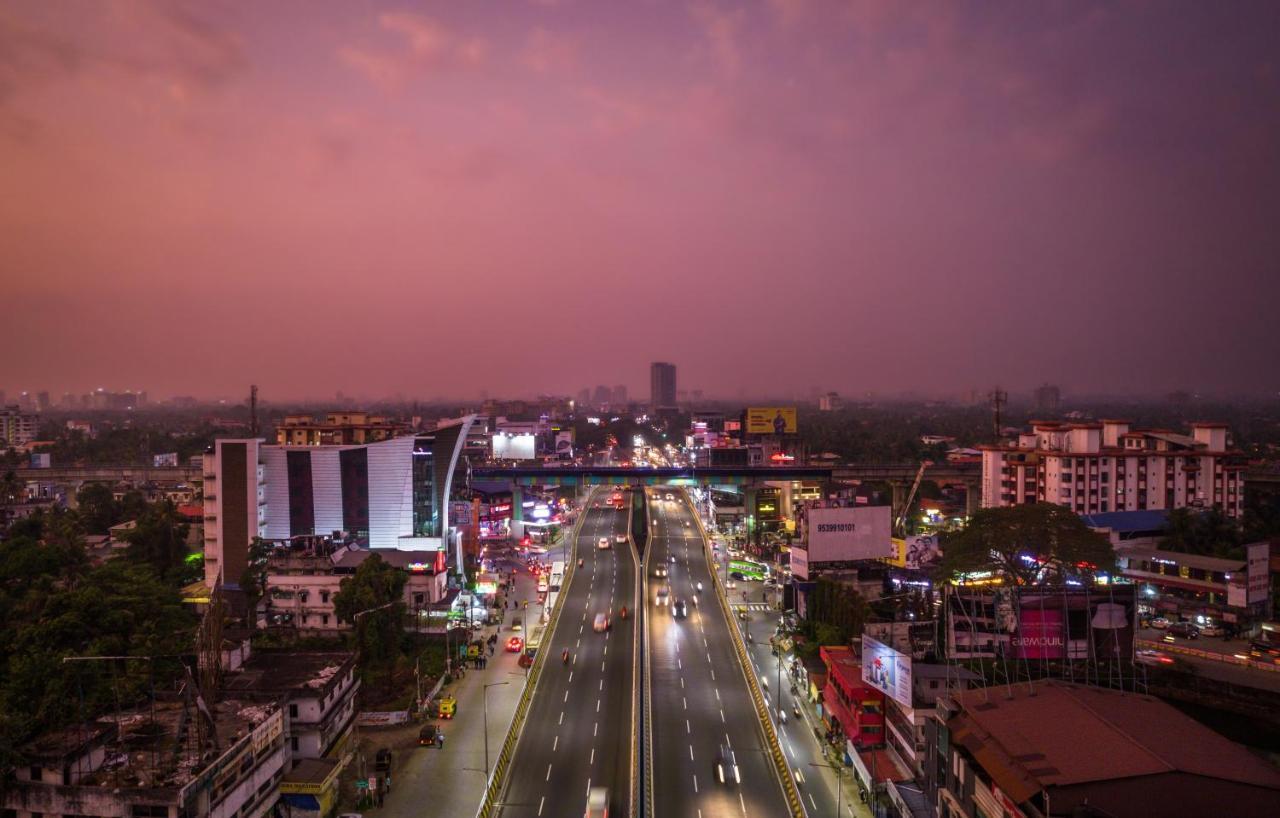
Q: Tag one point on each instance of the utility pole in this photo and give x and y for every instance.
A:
(253, 410)
(998, 398)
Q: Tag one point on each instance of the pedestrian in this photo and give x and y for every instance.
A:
(380, 797)
(440, 740)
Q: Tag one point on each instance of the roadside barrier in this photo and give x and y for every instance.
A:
(762, 710)
(638, 756)
(497, 780)
(1226, 658)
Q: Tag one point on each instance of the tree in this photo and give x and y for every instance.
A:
(254, 580)
(160, 540)
(378, 588)
(840, 606)
(98, 508)
(1028, 545)
(1208, 533)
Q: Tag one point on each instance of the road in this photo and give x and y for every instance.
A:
(700, 699)
(1217, 669)
(578, 731)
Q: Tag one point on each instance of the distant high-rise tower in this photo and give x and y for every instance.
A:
(619, 395)
(601, 395)
(662, 386)
(1048, 397)
(584, 397)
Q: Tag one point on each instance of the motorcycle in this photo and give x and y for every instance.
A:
(564, 656)
(795, 710)
(579, 563)
(623, 612)
(782, 716)
(749, 639)
(699, 586)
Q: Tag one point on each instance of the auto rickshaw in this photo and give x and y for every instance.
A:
(448, 707)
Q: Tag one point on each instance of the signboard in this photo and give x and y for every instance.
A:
(1259, 572)
(799, 563)
(382, 718)
(915, 552)
(160, 461)
(1040, 624)
(859, 533)
(886, 670)
(771, 420)
(507, 446)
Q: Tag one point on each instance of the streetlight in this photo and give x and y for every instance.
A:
(839, 782)
(485, 696)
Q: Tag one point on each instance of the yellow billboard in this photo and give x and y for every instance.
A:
(771, 420)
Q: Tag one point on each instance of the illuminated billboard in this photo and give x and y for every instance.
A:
(1038, 624)
(771, 420)
(886, 670)
(513, 447)
(842, 534)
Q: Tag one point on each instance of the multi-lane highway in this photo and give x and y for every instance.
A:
(578, 732)
(700, 699)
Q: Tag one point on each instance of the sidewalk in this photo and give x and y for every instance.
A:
(450, 781)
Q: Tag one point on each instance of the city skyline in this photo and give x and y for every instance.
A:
(865, 196)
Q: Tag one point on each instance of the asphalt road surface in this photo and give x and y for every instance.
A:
(700, 698)
(578, 731)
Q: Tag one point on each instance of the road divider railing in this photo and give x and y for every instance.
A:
(1215, 656)
(637, 620)
(783, 770)
(498, 779)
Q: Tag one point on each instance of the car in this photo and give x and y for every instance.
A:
(427, 735)
(731, 585)
(1146, 656)
(660, 571)
(1160, 623)
(515, 644)
(602, 543)
(620, 538)
(1212, 629)
(662, 597)
(597, 803)
(517, 623)
(671, 498)
(727, 766)
(1186, 630)
(680, 610)
(738, 575)
(672, 559)
(601, 623)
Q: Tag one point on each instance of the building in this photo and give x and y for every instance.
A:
(830, 402)
(1048, 398)
(906, 725)
(852, 710)
(662, 387)
(304, 575)
(337, 429)
(392, 494)
(1056, 748)
(17, 428)
(1102, 467)
(619, 397)
(161, 760)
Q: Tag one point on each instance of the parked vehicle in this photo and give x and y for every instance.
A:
(427, 735)
(1212, 629)
(1160, 623)
(1186, 630)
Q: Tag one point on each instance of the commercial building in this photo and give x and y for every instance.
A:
(1102, 467)
(906, 725)
(167, 759)
(1046, 748)
(392, 494)
(17, 428)
(337, 429)
(662, 387)
(852, 710)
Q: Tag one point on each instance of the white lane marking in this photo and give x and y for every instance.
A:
(561, 717)
(601, 684)
(602, 667)
(543, 800)
(548, 778)
(695, 789)
(555, 744)
(691, 752)
(727, 742)
(687, 729)
(811, 801)
(594, 727)
(722, 715)
(571, 677)
(717, 694)
(686, 702)
(597, 705)
(743, 803)
(713, 674)
(682, 683)
(566, 695)
(593, 756)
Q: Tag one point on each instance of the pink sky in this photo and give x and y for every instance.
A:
(439, 198)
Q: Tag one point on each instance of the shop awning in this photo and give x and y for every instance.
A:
(302, 801)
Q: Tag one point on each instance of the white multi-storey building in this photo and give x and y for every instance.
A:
(1093, 468)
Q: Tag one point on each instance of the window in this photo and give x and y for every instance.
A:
(293, 711)
(35, 772)
(293, 743)
(303, 596)
(324, 619)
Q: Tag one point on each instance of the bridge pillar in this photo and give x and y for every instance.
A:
(517, 511)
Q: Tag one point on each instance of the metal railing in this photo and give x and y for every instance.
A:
(744, 660)
(637, 759)
(497, 779)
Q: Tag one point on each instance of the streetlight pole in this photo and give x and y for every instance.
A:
(485, 696)
(839, 783)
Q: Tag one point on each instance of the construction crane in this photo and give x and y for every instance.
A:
(900, 513)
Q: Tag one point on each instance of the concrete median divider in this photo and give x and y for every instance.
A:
(783, 770)
(497, 780)
(637, 620)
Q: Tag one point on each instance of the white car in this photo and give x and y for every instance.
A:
(603, 543)
(663, 597)
(620, 538)
(598, 803)
(1212, 629)
(601, 623)
(671, 498)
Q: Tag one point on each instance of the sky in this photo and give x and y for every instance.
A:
(440, 198)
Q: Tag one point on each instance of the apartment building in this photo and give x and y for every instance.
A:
(17, 428)
(1107, 466)
(337, 428)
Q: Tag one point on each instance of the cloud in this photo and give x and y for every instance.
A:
(422, 44)
(720, 27)
(545, 52)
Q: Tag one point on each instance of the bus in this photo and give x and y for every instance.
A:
(535, 639)
(557, 577)
(748, 569)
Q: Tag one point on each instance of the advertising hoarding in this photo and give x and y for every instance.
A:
(886, 670)
(513, 447)
(839, 534)
(160, 461)
(771, 420)
(799, 563)
(1042, 623)
(1259, 572)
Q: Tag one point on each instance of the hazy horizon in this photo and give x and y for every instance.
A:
(444, 198)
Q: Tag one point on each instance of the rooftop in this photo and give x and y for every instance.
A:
(1129, 522)
(1053, 733)
(279, 671)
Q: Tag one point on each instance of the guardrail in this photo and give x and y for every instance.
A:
(757, 698)
(638, 623)
(1225, 658)
(497, 780)
(646, 735)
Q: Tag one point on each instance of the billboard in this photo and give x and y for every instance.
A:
(799, 563)
(840, 534)
(915, 552)
(1038, 624)
(771, 420)
(507, 446)
(1258, 572)
(159, 461)
(886, 670)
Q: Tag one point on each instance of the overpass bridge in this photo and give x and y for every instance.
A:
(78, 475)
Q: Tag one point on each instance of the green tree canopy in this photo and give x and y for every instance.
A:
(1027, 545)
(98, 508)
(376, 587)
(160, 540)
